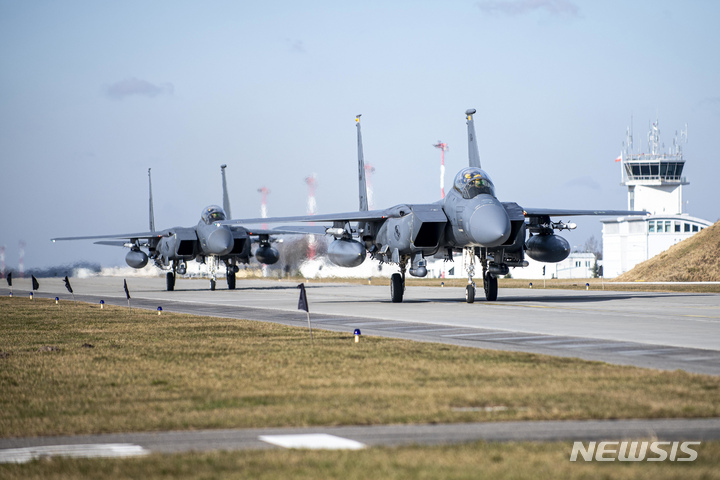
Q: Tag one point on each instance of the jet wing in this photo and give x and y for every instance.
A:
(370, 215)
(554, 212)
(112, 243)
(119, 235)
(289, 230)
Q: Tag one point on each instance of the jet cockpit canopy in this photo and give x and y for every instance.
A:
(472, 181)
(212, 214)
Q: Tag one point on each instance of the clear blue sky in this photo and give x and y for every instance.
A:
(94, 93)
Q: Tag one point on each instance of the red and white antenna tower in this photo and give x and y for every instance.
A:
(311, 210)
(263, 203)
(369, 170)
(443, 148)
(2, 261)
(311, 204)
(21, 261)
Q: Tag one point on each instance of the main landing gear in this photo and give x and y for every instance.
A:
(178, 267)
(230, 275)
(490, 283)
(397, 283)
(170, 277)
(170, 280)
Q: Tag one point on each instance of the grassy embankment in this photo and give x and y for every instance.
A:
(146, 372)
(693, 260)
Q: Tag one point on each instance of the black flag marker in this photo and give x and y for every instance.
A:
(67, 284)
(127, 294)
(69, 288)
(302, 302)
(9, 279)
(35, 283)
(303, 305)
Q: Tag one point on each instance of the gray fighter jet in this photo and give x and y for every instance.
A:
(470, 218)
(207, 242)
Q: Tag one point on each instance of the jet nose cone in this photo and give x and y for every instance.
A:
(220, 242)
(490, 224)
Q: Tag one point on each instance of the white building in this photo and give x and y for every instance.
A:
(576, 265)
(655, 184)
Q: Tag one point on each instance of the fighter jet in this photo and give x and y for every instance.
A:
(207, 242)
(470, 219)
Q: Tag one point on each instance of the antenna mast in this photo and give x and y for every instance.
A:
(311, 182)
(443, 148)
(263, 204)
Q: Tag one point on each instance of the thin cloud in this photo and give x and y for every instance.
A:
(296, 46)
(135, 86)
(522, 7)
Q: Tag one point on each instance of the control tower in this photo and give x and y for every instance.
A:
(655, 184)
(654, 179)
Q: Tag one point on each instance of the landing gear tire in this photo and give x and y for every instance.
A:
(490, 284)
(170, 281)
(231, 280)
(470, 293)
(212, 284)
(397, 288)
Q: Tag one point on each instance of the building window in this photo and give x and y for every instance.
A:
(577, 263)
(687, 227)
(677, 227)
(667, 226)
(695, 228)
(651, 226)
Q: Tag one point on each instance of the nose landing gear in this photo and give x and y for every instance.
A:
(490, 281)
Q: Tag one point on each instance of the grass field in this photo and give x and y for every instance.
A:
(146, 372)
(472, 461)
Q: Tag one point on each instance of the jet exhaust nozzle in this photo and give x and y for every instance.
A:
(267, 254)
(547, 248)
(136, 258)
(346, 252)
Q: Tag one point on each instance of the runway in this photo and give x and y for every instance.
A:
(370, 436)
(648, 329)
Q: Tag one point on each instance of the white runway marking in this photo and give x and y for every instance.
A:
(23, 455)
(314, 441)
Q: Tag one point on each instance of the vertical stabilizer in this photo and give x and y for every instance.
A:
(226, 198)
(473, 155)
(152, 211)
(361, 169)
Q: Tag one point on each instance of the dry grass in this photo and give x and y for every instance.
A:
(471, 461)
(693, 260)
(148, 372)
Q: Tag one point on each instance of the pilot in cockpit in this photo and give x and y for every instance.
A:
(212, 214)
(471, 182)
